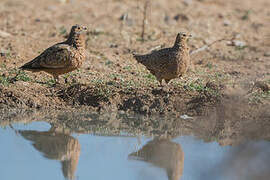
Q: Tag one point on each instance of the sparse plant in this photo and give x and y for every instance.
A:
(194, 86)
(259, 96)
(22, 76)
(128, 68)
(14, 75)
(4, 80)
(50, 82)
(62, 30)
(209, 65)
(246, 15)
(239, 48)
(108, 62)
(150, 77)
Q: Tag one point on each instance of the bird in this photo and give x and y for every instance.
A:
(62, 57)
(168, 63)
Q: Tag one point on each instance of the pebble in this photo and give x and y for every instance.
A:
(182, 17)
(188, 2)
(4, 34)
(127, 19)
(237, 43)
(267, 54)
(226, 22)
(262, 85)
(186, 117)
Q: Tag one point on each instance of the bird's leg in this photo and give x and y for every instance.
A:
(56, 78)
(167, 81)
(163, 85)
(191, 67)
(160, 82)
(166, 85)
(66, 80)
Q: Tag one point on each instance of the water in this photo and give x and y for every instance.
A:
(38, 150)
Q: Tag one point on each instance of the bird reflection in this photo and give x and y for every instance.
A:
(57, 146)
(163, 153)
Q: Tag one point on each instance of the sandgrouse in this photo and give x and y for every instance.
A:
(168, 63)
(63, 57)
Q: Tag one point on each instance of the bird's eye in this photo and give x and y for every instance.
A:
(184, 35)
(79, 27)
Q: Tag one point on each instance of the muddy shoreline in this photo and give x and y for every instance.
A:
(148, 101)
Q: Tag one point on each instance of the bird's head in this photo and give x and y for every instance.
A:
(78, 29)
(182, 37)
(77, 36)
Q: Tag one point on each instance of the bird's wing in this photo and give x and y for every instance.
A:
(159, 58)
(57, 56)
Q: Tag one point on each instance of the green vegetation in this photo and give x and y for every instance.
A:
(22, 76)
(62, 30)
(4, 80)
(246, 15)
(209, 65)
(150, 77)
(50, 82)
(14, 75)
(239, 48)
(259, 96)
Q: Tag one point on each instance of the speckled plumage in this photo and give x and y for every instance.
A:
(63, 57)
(168, 63)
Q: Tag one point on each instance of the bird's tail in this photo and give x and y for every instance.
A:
(26, 66)
(139, 58)
(31, 66)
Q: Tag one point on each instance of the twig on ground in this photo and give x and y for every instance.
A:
(146, 4)
(209, 45)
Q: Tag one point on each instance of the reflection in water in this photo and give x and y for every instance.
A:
(164, 154)
(247, 161)
(224, 124)
(58, 146)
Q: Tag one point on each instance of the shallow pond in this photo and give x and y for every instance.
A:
(38, 151)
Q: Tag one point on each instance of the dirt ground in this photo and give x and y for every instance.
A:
(232, 73)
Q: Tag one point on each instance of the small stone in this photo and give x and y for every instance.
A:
(187, 2)
(113, 45)
(52, 8)
(4, 34)
(63, 1)
(182, 17)
(267, 54)
(121, 112)
(237, 43)
(3, 52)
(186, 117)
(220, 15)
(167, 18)
(262, 85)
(127, 19)
(226, 22)
(123, 17)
